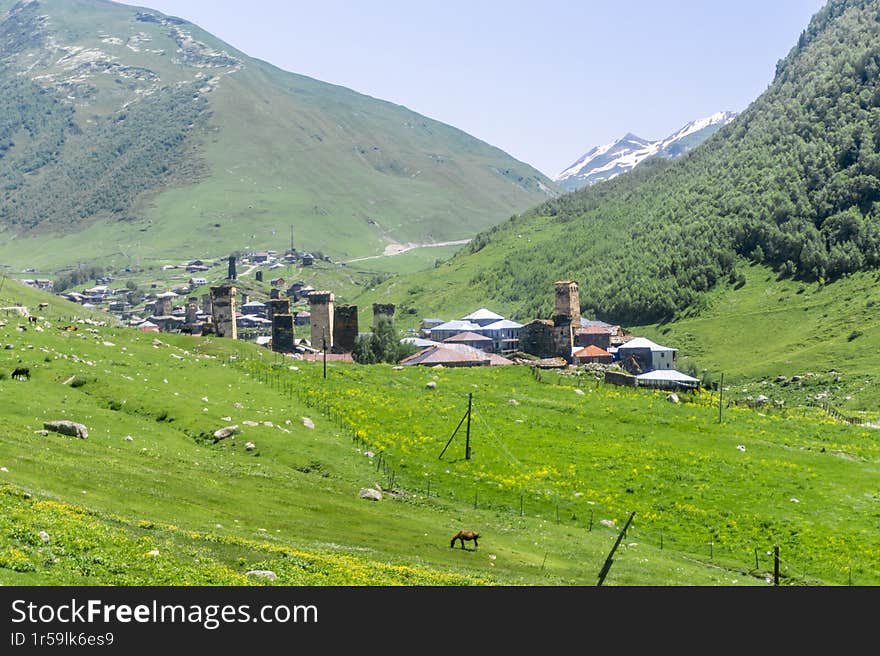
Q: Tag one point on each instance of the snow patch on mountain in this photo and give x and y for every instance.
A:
(624, 154)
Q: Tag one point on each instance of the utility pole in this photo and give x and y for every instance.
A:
(467, 415)
(467, 439)
(324, 350)
(609, 561)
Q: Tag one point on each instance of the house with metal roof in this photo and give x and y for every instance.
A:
(471, 339)
(504, 335)
(641, 355)
(450, 328)
(667, 379)
(482, 317)
(454, 355)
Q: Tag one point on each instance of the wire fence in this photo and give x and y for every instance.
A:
(759, 561)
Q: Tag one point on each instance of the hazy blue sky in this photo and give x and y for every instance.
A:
(545, 81)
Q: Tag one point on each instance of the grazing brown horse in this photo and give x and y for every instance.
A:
(465, 535)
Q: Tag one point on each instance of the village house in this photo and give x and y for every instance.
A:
(471, 339)
(641, 355)
(454, 355)
(592, 354)
(197, 282)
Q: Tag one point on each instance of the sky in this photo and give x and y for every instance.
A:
(544, 81)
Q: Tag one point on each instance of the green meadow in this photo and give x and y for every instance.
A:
(149, 497)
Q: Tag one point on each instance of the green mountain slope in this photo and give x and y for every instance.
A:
(125, 133)
(793, 182)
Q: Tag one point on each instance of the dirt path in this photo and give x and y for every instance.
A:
(396, 249)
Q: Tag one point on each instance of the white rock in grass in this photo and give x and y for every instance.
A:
(578, 390)
(129, 438)
(308, 423)
(249, 446)
(793, 500)
(44, 536)
(223, 433)
(431, 385)
(372, 495)
(262, 573)
(153, 552)
(512, 402)
(672, 398)
(4, 470)
(369, 454)
(248, 422)
(226, 418)
(607, 522)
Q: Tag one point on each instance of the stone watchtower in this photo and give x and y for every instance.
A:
(345, 328)
(380, 310)
(321, 309)
(282, 325)
(568, 304)
(223, 311)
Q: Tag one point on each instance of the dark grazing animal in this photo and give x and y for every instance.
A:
(465, 535)
(21, 373)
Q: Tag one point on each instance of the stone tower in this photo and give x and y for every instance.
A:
(223, 306)
(568, 304)
(321, 309)
(192, 309)
(207, 306)
(382, 310)
(231, 275)
(345, 328)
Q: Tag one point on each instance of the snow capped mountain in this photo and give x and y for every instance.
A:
(624, 154)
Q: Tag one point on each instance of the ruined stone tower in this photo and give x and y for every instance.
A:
(223, 307)
(282, 326)
(321, 309)
(382, 310)
(207, 306)
(345, 328)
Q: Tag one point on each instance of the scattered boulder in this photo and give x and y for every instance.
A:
(397, 368)
(672, 398)
(431, 385)
(153, 552)
(4, 470)
(372, 495)
(226, 431)
(741, 447)
(66, 427)
(578, 390)
(42, 432)
(610, 523)
(44, 536)
(308, 423)
(780, 379)
(369, 454)
(249, 446)
(129, 438)
(512, 402)
(248, 422)
(262, 573)
(761, 399)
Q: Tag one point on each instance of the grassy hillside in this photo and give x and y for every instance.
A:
(132, 134)
(545, 473)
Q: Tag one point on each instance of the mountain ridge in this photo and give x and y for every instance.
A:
(148, 136)
(621, 155)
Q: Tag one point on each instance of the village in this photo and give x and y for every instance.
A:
(331, 330)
